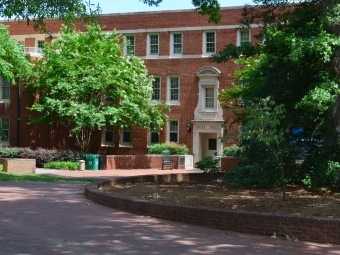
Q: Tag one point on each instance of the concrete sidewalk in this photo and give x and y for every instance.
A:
(55, 218)
(104, 174)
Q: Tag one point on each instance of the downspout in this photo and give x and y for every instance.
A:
(19, 115)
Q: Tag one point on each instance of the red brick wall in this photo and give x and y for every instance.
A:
(56, 136)
(325, 230)
(137, 162)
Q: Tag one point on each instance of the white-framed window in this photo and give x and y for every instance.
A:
(4, 137)
(153, 44)
(108, 136)
(173, 89)
(40, 45)
(176, 44)
(209, 42)
(156, 89)
(243, 35)
(153, 137)
(4, 88)
(210, 99)
(173, 131)
(125, 138)
(130, 43)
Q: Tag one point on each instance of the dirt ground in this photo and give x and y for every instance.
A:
(299, 201)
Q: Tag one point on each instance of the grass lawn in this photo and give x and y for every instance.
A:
(39, 178)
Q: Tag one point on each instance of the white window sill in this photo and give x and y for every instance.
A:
(107, 145)
(125, 145)
(5, 101)
(174, 103)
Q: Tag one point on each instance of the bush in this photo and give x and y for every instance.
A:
(8, 152)
(208, 165)
(41, 155)
(65, 165)
(233, 150)
(174, 148)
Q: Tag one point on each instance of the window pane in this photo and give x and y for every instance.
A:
(177, 47)
(5, 127)
(108, 136)
(5, 88)
(174, 88)
(130, 48)
(156, 88)
(210, 42)
(154, 44)
(212, 144)
(209, 98)
(174, 137)
(174, 125)
(126, 137)
(154, 137)
(244, 36)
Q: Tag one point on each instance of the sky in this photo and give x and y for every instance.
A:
(122, 6)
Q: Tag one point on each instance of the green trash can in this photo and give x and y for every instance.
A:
(91, 161)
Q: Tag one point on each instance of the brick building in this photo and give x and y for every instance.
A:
(175, 46)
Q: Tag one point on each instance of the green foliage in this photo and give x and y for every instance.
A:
(36, 12)
(39, 178)
(233, 150)
(13, 61)
(174, 148)
(65, 165)
(41, 155)
(208, 165)
(9, 152)
(79, 72)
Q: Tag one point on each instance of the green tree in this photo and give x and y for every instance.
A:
(37, 11)
(13, 61)
(295, 64)
(85, 83)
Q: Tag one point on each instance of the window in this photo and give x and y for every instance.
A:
(156, 89)
(4, 137)
(209, 98)
(130, 45)
(153, 44)
(40, 45)
(173, 131)
(125, 138)
(153, 138)
(243, 36)
(174, 90)
(209, 43)
(108, 136)
(176, 44)
(4, 88)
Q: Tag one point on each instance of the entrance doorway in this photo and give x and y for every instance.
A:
(209, 144)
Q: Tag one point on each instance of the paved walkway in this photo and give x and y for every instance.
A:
(55, 218)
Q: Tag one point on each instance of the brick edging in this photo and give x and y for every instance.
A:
(311, 229)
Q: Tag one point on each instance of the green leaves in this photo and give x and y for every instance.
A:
(13, 61)
(77, 75)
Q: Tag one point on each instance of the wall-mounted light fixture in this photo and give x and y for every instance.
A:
(188, 127)
(225, 128)
(49, 35)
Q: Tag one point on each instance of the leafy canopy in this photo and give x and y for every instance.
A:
(85, 83)
(13, 61)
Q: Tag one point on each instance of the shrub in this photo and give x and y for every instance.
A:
(174, 148)
(8, 152)
(233, 150)
(65, 165)
(208, 165)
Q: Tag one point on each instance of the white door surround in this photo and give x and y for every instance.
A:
(208, 121)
